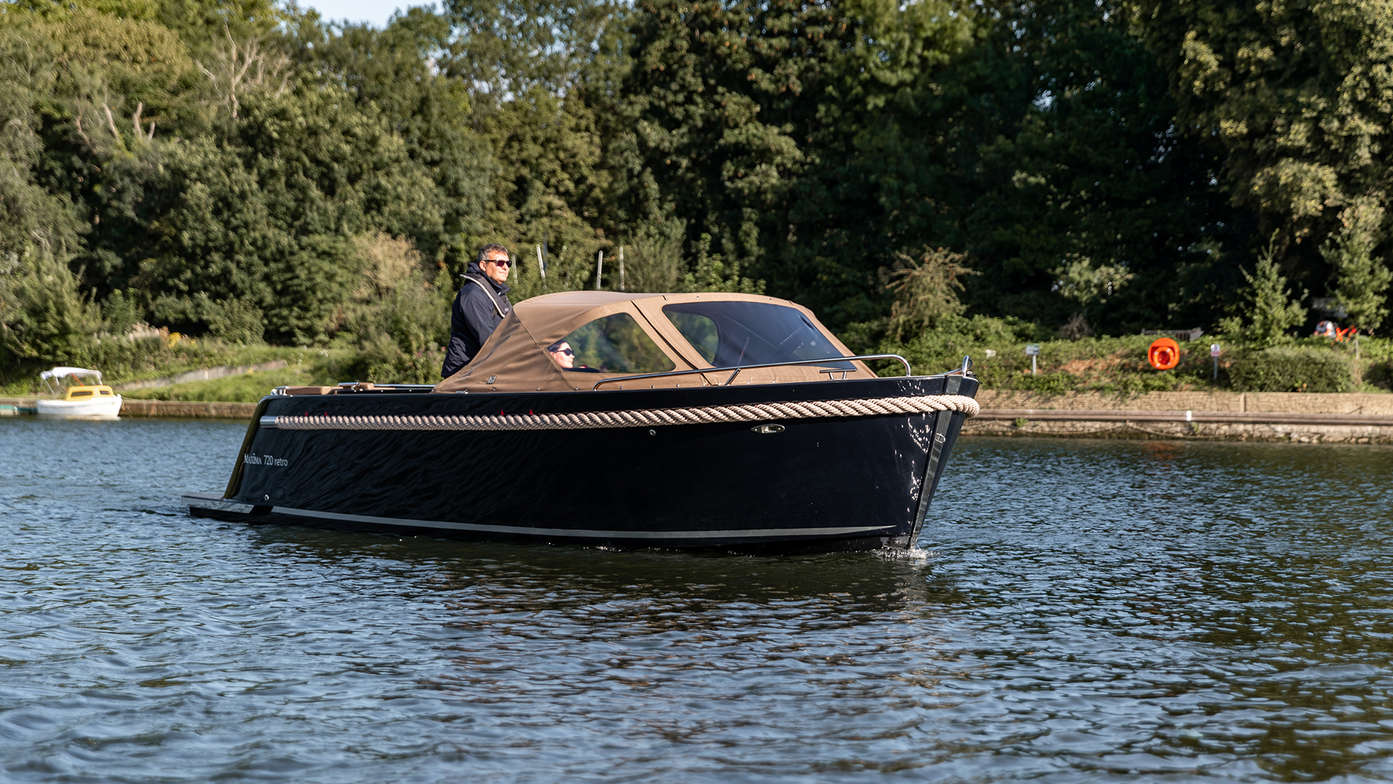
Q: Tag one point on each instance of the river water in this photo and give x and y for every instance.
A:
(1079, 611)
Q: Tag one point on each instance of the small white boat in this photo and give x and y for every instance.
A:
(76, 395)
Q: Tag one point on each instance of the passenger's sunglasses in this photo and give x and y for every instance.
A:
(568, 352)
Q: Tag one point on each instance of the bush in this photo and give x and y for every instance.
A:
(926, 291)
(232, 321)
(380, 359)
(1379, 375)
(397, 320)
(44, 316)
(1292, 369)
(120, 313)
(1060, 383)
(1115, 365)
(943, 348)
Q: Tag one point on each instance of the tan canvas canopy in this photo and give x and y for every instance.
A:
(616, 334)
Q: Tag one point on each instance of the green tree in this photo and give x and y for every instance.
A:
(872, 130)
(1270, 311)
(1295, 99)
(1088, 284)
(46, 318)
(116, 78)
(654, 256)
(1054, 139)
(1361, 278)
(509, 48)
(710, 99)
(395, 75)
(265, 214)
(209, 230)
(739, 120)
(31, 216)
(394, 314)
(208, 25)
(104, 83)
(926, 291)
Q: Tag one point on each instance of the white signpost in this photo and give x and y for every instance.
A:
(1214, 354)
(1032, 350)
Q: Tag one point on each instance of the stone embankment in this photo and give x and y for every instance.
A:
(1225, 416)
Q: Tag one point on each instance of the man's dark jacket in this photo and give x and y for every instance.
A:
(479, 307)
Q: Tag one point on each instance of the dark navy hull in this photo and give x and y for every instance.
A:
(833, 482)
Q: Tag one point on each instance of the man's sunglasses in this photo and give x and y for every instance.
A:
(507, 262)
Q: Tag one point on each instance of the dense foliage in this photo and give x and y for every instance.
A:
(1293, 369)
(243, 170)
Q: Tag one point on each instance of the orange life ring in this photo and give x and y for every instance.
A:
(1163, 354)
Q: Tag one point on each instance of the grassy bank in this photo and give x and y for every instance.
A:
(1118, 365)
(246, 387)
(125, 361)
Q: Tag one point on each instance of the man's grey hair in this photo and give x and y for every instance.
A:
(492, 246)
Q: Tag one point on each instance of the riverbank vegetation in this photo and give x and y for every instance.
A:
(1107, 365)
(1119, 366)
(937, 178)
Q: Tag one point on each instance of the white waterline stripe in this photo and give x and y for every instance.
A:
(580, 532)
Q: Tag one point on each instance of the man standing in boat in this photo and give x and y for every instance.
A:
(479, 308)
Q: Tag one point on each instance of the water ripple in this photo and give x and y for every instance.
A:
(1082, 611)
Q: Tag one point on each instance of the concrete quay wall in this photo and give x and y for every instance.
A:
(1229, 416)
(1230, 402)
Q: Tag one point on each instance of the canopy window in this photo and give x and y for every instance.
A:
(616, 344)
(751, 333)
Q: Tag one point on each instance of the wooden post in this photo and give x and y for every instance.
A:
(599, 268)
(541, 263)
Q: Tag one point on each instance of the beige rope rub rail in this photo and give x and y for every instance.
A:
(651, 417)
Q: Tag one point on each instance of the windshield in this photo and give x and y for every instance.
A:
(750, 333)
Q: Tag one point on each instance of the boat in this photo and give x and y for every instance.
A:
(77, 393)
(695, 420)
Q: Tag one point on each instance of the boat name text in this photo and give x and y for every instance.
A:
(266, 460)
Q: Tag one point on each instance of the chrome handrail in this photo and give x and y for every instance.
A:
(735, 369)
(361, 386)
(368, 386)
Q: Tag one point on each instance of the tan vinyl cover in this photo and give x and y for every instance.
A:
(515, 359)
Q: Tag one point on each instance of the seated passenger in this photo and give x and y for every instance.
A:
(562, 354)
(565, 358)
